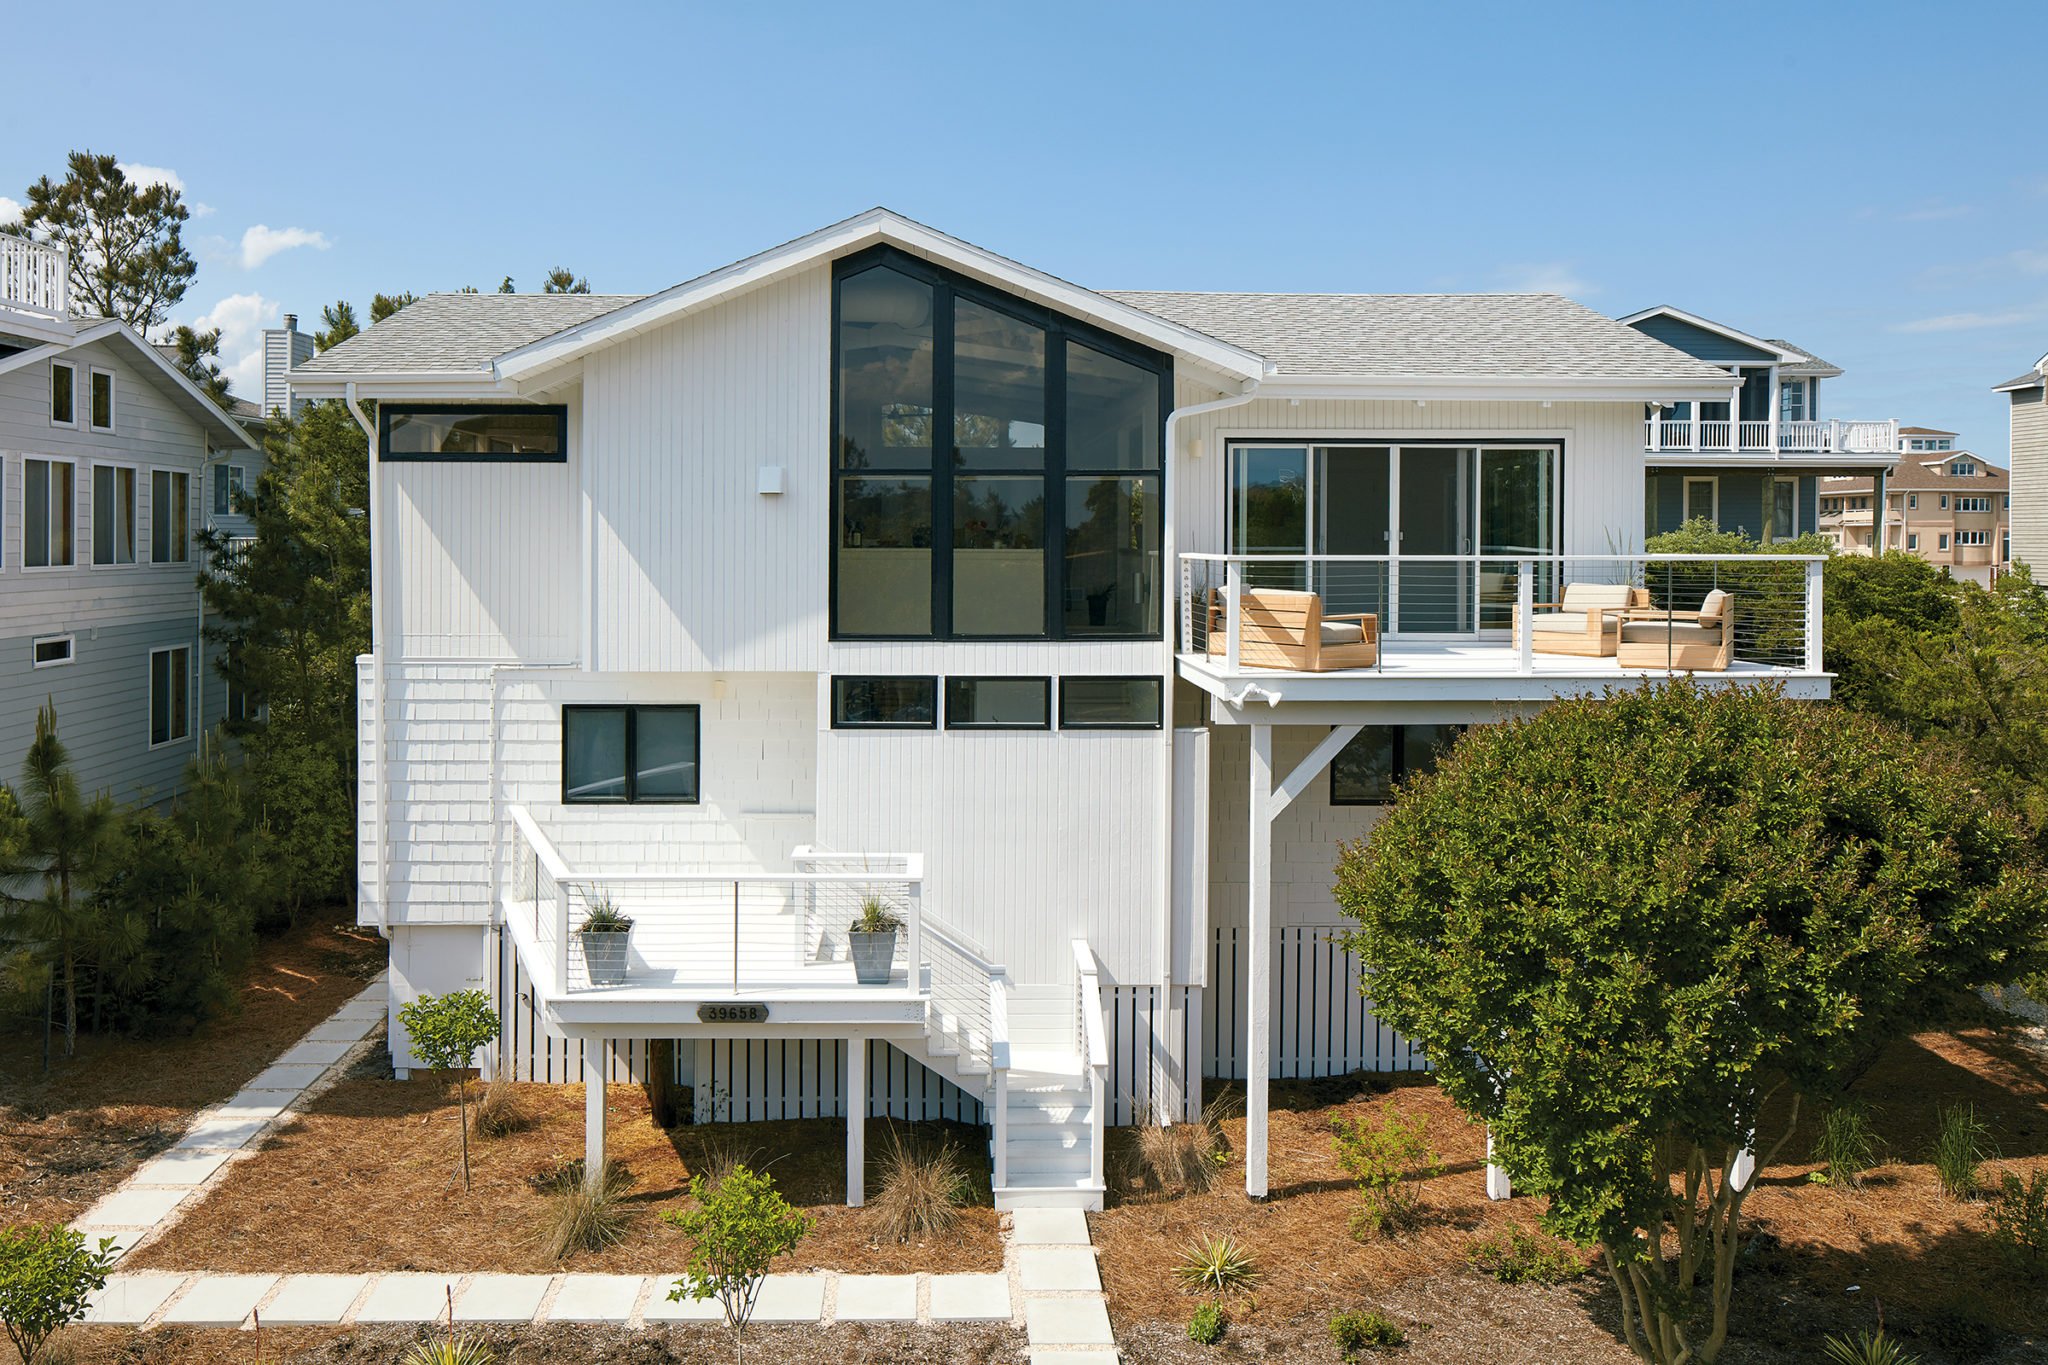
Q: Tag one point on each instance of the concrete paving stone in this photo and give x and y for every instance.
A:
(180, 1168)
(660, 1309)
(283, 1076)
(970, 1298)
(877, 1298)
(596, 1298)
(408, 1297)
(1067, 1322)
(122, 1238)
(312, 1300)
(791, 1298)
(1073, 1358)
(130, 1299)
(1058, 1270)
(219, 1300)
(222, 1133)
(339, 1030)
(1049, 1227)
(310, 1053)
(250, 1104)
(501, 1298)
(131, 1208)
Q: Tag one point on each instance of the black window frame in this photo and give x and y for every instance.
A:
(1398, 772)
(931, 680)
(1059, 330)
(631, 711)
(1158, 721)
(70, 369)
(386, 411)
(1044, 686)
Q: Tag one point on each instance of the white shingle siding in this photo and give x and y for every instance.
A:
(2030, 479)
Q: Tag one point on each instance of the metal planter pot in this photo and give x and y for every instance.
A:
(605, 954)
(874, 955)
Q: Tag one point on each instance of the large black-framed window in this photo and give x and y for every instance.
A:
(631, 755)
(1111, 703)
(996, 465)
(502, 433)
(998, 703)
(1365, 771)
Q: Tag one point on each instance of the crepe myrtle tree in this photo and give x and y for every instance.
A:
(446, 1031)
(1631, 932)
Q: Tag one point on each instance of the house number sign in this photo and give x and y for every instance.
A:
(747, 1013)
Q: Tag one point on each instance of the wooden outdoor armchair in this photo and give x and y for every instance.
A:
(1285, 629)
(1585, 620)
(1700, 641)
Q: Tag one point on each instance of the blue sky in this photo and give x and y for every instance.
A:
(1870, 182)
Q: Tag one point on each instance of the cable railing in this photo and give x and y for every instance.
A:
(1517, 612)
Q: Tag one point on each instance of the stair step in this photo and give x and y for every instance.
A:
(1045, 1116)
(1034, 1143)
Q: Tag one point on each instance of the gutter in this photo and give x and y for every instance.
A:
(377, 794)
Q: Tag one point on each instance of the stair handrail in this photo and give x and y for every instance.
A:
(999, 1069)
(1092, 1041)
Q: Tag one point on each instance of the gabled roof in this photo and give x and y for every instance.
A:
(1791, 359)
(1916, 475)
(1810, 366)
(2032, 379)
(449, 333)
(174, 381)
(1925, 431)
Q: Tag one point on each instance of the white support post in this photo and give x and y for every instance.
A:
(1259, 952)
(1777, 388)
(856, 1121)
(1000, 1121)
(1525, 609)
(1498, 1186)
(593, 1111)
(1656, 427)
(1187, 607)
(1743, 1170)
(1232, 587)
(561, 938)
(914, 973)
(1814, 651)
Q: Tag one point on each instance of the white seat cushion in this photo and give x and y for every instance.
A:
(1342, 632)
(1715, 603)
(1592, 596)
(1566, 622)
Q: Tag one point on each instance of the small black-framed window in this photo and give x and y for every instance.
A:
(998, 703)
(1110, 703)
(102, 399)
(63, 394)
(631, 755)
(885, 703)
(1365, 771)
(493, 433)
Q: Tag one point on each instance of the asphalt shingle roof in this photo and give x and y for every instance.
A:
(1911, 474)
(2032, 379)
(1813, 365)
(1416, 336)
(445, 333)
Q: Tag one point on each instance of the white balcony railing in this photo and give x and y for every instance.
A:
(1480, 610)
(1832, 437)
(34, 278)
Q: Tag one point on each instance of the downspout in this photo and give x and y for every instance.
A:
(1169, 568)
(375, 513)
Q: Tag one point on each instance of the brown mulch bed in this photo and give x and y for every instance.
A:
(669, 1344)
(71, 1136)
(1822, 1260)
(368, 1179)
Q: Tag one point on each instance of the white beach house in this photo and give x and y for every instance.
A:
(1079, 628)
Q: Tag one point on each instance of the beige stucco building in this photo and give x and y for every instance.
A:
(1950, 507)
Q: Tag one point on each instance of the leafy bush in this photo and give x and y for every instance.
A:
(922, 1189)
(2019, 1222)
(46, 1274)
(1866, 1348)
(737, 1229)
(1844, 1147)
(1961, 1145)
(1205, 1328)
(1389, 1159)
(445, 1032)
(1519, 1256)
(583, 1217)
(1354, 1331)
(1217, 1267)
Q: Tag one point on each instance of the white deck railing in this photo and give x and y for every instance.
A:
(1091, 1043)
(34, 278)
(1832, 437)
(1457, 602)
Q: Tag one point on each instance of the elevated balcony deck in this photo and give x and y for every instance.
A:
(34, 279)
(1488, 631)
(1760, 441)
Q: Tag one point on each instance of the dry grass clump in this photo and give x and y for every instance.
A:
(923, 1186)
(583, 1218)
(501, 1113)
(720, 1156)
(1164, 1160)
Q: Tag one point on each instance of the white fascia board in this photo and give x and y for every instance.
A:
(402, 385)
(204, 408)
(22, 359)
(36, 327)
(1785, 357)
(1791, 462)
(2022, 386)
(853, 235)
(1500, 388)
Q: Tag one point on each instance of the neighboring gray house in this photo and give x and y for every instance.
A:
(2029, 463)
(111, 462)
(283, 347)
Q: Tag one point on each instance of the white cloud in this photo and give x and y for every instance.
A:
(1545, 277)
(10, 211)
(2030, 262)
(152, 175)
(1933, 211)
(260, 243)
(201, 210)
(1966, 322)
(241, 319)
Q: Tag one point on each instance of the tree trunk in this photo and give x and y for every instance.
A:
(462, 1116)
(70, 1004)
(661, 1082)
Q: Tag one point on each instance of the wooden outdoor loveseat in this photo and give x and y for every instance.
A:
(1279, 628)
(1700, 641)
(1585, 620)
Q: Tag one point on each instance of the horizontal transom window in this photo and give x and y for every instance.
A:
(469, 431)
(615, 755)
(1110, 703)
(885, 703)
(998, 703)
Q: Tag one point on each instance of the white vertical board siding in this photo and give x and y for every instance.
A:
(693, 567)
(1192, 813)
(1307, 835)
(1602, 492)
(1031, 838)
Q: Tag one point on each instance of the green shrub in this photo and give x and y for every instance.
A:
(1354, 1331)
(1519, 1256)
(1844, 1147)
(46, 1274)
(2019, 1222)
(449, 1350)
(445, 1032)
(1961, 1144)
(1217, 1267)
(1205, 1328)
(1389, 1159)
(1866, 1348)
(739, 1226)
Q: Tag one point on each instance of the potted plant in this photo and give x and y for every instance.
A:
(873, 938)
(606, 935)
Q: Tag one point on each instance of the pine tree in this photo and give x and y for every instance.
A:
(383, 306)
(337, 324)
(128, 259)
(562, 280)
(198, 355)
